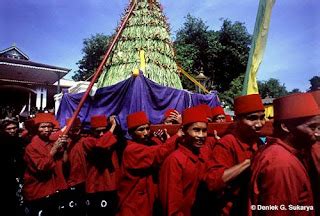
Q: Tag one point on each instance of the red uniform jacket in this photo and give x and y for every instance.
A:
(102, 163)
(210, 142)
(44, 174)
(138, 188)
(279, 178)
(78, 164)
(180, 175)
(227, 152)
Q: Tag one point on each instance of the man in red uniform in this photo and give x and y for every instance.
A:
(280, 182)
(140, 165)
(44, 178)
(75, 172)
(218, 114)
(102, 167)
(181, 172)
(228, 173)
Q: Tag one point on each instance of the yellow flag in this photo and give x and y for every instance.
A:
(258, 46)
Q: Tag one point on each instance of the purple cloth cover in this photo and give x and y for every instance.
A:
(132, 95)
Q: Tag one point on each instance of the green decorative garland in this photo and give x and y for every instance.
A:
(147, 29)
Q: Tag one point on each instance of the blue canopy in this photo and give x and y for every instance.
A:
(132, 95)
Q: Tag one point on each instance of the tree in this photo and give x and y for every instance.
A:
(230, 54)
(234, 91)
(295, 90)
(191, 47)
(272, 88)
(223, 54)
(315, 83)
(93, 50)
(147, 29)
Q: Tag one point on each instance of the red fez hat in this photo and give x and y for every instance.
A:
(76, 123)
(45, 118)
(168, 112)
(205, 108)
(193, 114)
(218, 110)
(316, 95)
(136, 119)
(295, 106)
(248, 104)
(99, 121)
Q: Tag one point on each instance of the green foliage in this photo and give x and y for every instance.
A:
(223, 54)
(93, 50)
(272, 88)
(230, 56)
(147, 30)
(191, 48)
(191, 44)
(234, 91)
(295, 90)
(315, 83)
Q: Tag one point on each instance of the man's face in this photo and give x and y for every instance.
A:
(98, 132)
(251, 124)
(74, 131)
(142, 133)
(307, 132)
(11, 129)
(45, 130)
(219, 118)
(196, 134)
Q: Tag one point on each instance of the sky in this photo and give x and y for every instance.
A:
(52, 31)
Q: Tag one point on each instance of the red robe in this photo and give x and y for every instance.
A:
(44, 174)
(180, 175)
(78, 164)
(138, 184)
(279, 178)
(102, 163)
(228, 152)
(210, 142)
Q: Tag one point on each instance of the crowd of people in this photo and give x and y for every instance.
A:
(189, 173)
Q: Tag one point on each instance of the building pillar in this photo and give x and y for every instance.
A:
(44, 98)
(58, 86)
(57, 101)
(41, 100)
(29, 103)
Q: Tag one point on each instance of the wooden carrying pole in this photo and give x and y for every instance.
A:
(98, 71)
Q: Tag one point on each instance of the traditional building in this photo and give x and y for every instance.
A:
(24, 83)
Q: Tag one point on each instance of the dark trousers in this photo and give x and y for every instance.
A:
(72, 201)
(102, 203)
(42, 207)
